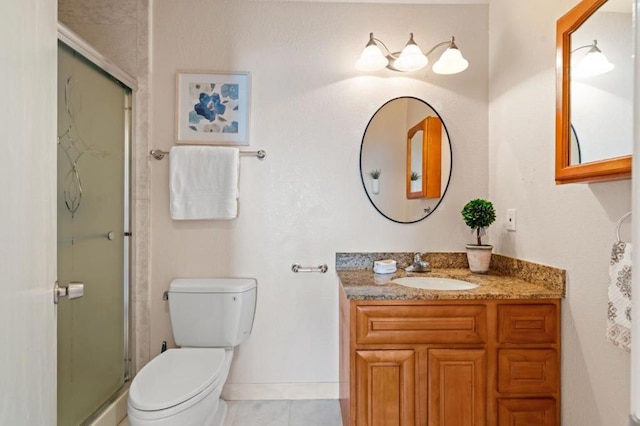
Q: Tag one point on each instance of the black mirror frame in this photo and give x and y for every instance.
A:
(364, 186)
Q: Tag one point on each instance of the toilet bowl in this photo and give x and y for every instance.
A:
(182, 387)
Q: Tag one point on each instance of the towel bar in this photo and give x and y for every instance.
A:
(159, 154)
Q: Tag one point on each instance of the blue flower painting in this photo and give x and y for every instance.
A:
(209, 106)
(213, 108)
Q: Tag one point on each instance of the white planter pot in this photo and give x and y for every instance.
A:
(375, 186)
(416, 186)
(479, 258)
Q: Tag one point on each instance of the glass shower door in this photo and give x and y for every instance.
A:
(92, 221)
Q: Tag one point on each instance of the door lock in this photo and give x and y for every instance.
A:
(73, 290)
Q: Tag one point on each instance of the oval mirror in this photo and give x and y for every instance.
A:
(595, 101)
(405, 160)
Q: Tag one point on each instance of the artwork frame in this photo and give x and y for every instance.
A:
(212, 107)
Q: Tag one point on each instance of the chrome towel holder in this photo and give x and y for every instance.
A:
(159, 154)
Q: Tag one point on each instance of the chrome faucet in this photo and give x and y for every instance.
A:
(418, 265)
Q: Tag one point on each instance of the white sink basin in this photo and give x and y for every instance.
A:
(434, 283)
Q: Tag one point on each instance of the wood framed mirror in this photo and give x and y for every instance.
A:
(594, 109)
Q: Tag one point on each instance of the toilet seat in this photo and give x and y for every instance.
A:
(177, 377)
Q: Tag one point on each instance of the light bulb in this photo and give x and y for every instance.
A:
(371, 58)
(451, 62)
(411, 58)
(594, 63)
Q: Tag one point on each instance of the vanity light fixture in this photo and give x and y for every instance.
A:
(593, 63)
(411, 57)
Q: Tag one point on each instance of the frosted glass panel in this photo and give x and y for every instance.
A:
(91, 226)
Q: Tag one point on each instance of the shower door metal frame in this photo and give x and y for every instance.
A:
(76, 43)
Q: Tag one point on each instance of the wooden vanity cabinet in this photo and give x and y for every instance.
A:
(450, 362)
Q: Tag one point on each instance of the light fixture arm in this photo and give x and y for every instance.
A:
(376, 40)
(376, 55)
(394, 55)
(451, 44)
(593, 46)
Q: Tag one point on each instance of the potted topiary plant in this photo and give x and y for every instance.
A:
(478, 214)
(375, 180)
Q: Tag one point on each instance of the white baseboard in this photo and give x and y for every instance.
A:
(266, 391)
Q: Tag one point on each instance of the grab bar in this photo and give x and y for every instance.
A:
(299, 268)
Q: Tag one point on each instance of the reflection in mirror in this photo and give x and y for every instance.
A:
(576, 154)
(415, 138)
(423, 159)
(396, 145)
(601, 102)
(594, 114)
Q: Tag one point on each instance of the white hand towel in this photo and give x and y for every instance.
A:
(203, 182)
(619, 306)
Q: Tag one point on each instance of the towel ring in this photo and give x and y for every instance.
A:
(624, 216)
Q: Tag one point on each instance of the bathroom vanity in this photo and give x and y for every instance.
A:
(486, 356)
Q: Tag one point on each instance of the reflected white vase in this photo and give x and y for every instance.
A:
(375, 186)
(415, 186)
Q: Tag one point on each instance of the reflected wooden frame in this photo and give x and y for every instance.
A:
(597, 171)
(431, 158)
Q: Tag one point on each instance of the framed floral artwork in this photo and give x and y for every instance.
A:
(212, 108)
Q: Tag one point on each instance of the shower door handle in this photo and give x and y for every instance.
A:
(73, 290)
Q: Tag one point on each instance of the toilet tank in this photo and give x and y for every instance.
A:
(212, 312)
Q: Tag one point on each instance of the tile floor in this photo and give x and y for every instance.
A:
(316, 412)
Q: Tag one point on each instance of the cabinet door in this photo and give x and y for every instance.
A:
(457, 387)
(385, 392)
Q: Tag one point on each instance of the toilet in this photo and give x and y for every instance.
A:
(182, 387)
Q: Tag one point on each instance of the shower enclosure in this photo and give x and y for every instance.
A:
(94, 127)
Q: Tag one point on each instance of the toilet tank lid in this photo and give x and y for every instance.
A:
(212, 285)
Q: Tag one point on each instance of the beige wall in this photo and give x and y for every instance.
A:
(305, 202)
(570, 226)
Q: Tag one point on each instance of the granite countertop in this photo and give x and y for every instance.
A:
(508, 279)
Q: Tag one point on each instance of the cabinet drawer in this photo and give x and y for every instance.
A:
(421, 324)
(528, 323)
(527, 371)
(527, 412)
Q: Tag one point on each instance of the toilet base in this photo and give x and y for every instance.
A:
(216, 418)
(220, 414)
